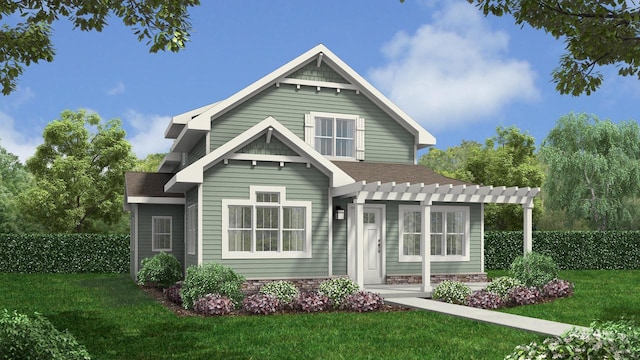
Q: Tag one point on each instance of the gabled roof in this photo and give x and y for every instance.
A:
(193, 174)
(319, 53)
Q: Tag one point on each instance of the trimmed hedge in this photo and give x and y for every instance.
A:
(571, 250)
(64, 253)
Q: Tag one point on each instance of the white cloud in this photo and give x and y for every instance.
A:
(453, 70)
(149, 133)
(118, 89)
(16, 142)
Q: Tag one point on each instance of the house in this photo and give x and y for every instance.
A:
(310, 173)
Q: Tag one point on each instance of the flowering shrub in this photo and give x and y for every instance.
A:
(211, 278)
(363, 301)
(337, 290)
(285, 291)
(522, 295)
(450, 291)
(311, 301)
(161, 270)
(25, 337)
(172, 293)
(213, 304)
(502, 285)
(557, 288)
(534, 269)
(485, 300)
(260, 304)
(613, 340)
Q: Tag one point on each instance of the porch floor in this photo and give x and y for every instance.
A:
(388, 291)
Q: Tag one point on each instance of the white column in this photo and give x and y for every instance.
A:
(527, 227)
(425, 244)
(359, 219)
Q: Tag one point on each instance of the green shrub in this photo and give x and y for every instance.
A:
(64, 253)
(612, 340)
(337, 289)
(502, 285)
(534, 269)
(211, 278)
(453, 292)
(24, 337)
(284, 291)
(162, 270)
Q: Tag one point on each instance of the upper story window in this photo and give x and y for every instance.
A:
(450, 230)
(267, 225)
(337, 136)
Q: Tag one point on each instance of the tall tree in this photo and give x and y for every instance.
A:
(79, 173)
(596, 33)
(164, 24)
(593, 169)
(149, 163)
(14, 179)
(507, 159)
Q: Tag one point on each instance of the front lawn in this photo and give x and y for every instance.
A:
(116, 320)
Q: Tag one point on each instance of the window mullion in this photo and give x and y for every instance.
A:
(254, 223)
(280, 226)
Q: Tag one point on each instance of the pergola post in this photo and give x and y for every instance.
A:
(425, 242)
(359, 225)
(527, 226)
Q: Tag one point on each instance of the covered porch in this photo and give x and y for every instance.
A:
(363, 192)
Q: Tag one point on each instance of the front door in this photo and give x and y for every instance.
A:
(373, 245)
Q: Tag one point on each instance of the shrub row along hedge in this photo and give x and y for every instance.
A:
(64, 253)
(571, 250)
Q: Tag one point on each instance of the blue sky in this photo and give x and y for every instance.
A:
(454, 71)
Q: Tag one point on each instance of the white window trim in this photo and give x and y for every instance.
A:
(253, 190)
(434, 258)
(153, 233)
(358, 140)
(193, 217)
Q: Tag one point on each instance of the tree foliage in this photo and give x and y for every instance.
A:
(14, 179)
(149, 163)
(593, 169)
(164, 24)
(79, 173)
(507, 159)
(596, 33)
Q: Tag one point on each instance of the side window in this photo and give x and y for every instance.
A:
(161, 233)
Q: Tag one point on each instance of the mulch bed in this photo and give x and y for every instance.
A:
(159, 296)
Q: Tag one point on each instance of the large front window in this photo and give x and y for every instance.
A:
(266, 225)
(449, 239)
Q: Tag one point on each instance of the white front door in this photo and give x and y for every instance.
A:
(373, 245)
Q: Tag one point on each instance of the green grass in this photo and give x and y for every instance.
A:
(599, 295)
(115, 320)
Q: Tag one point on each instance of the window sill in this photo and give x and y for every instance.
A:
(266, 255)
(434, 258)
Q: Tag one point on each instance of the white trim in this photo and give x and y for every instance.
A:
(482, 237)
(358, 133)
(199, 247)
(193, 174)
(316, 84)
(135, 239)
(203, 121)
(331, 220)
(282, 203)
(179, 121)
(266, 157)
(155, 200)
(153, 233)
(207, 144)
(435, 258)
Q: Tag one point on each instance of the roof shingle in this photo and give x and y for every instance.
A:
(148, 184)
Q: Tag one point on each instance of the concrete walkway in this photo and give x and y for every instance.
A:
(545, 327)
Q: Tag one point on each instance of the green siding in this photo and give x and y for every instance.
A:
(339, 249)
(233, 181)
(196, 152)
(311, 71)
(385, 139)
(145, 213)
(192, 197)
(274, 147)
(394, 267)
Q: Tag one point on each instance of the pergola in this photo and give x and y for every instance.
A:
(362, 191)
